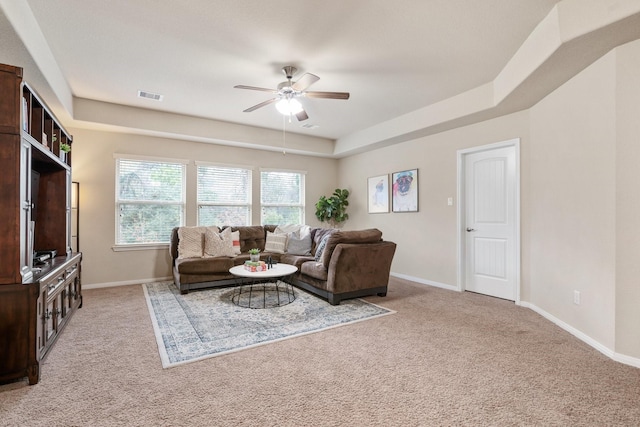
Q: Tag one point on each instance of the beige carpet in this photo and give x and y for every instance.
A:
(444, 359)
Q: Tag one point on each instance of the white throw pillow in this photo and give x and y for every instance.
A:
(235, 238)
(276, 243)
(305, 230)
(218, 244)
(287, 228)
(190, 242)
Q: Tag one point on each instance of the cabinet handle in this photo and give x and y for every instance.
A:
(60, 279)
(58, 311)
(47, 315)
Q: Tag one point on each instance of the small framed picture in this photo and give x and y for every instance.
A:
(378, 194)
(404, 191)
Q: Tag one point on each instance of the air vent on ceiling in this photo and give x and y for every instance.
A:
(150, 95)
(309, 126)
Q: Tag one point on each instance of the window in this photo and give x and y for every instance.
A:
(282, 197)
(150, 200)
(224, 195)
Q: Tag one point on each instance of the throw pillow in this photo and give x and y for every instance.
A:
(320, 247)
(190, 242)
(218, 244)
(287, 228)
(235, 238)
(276, 243)
(299, 245)
(304, 230)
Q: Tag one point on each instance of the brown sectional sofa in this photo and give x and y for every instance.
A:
(353, 263)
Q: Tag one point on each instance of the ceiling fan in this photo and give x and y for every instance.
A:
(288, 91)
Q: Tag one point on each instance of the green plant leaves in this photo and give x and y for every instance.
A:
(333, 209)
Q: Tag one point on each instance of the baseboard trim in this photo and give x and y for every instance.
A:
(424, 282)
(622, 358)
(125, 283)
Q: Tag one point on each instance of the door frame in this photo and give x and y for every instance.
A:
(461, 212)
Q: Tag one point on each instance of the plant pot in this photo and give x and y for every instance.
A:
(254, 258)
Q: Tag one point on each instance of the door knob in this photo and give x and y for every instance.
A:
(470, 229)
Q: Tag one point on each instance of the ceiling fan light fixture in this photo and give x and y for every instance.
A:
(289, 106)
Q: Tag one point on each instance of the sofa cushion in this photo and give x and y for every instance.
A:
(371, 235)
(295, 260)
(314, 269)
(251, 237)
(218, 244)
(204, 265)
(276, 243)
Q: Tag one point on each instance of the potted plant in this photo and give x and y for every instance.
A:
(64, 149)
(333, 209)
(254, 254)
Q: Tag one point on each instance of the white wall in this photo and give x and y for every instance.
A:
(628, 200)
(94, 168)
(573, 202)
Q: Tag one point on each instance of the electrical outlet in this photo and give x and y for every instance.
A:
(576, 297)
(450, 201)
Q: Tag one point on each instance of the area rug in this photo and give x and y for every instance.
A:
(205, 323)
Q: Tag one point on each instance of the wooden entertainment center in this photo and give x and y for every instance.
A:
(39, 274)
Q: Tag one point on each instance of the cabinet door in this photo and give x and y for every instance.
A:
(59, 309)
(10, 78)
(41, 323)
(76, 291)
(71, 293)
(50, 318)
(68, 206)
(26, 225)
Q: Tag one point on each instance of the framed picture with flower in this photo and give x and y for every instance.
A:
(378, 194)
(404, 191)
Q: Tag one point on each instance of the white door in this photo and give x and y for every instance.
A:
(490, 222)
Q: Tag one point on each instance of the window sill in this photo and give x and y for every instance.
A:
(140, 247)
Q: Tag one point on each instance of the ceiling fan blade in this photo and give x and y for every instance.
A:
(305, 81)
(328, 95)
(262, 104)
(263, 89)
(302, 115)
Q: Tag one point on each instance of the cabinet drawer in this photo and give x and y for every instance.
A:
(57, 282)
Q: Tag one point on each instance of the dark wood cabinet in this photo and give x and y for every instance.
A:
(40, 285)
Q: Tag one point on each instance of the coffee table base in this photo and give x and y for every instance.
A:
(268, 293)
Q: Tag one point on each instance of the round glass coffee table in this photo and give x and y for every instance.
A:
(267, 289)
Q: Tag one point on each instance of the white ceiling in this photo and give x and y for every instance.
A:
(413, 67)
(392, 56)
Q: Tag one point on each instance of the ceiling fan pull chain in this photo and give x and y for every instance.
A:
(284, 136)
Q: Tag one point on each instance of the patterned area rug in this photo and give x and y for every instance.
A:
(203, 324)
